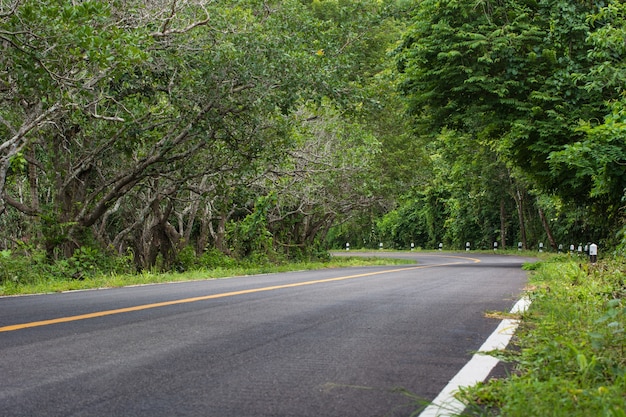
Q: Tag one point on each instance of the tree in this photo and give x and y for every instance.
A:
(132, 128)
(55, 58)
(154, 127)
(325, 177)
(509, 75)
(600, 155)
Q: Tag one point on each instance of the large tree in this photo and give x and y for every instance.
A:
(151, 125)
(514, 76)
(55, 59)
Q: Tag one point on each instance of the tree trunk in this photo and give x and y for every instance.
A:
(502, 224)
(203, 236)
(220, 235)
(32, 180)
(519, 203)
(546, 227)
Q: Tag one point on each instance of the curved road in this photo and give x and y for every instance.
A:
(375, 341)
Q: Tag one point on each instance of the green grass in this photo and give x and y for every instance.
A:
(569, 354)
(42, 283)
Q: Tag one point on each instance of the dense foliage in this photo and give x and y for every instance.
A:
(277, 129)
(526, 98)
(240, 126)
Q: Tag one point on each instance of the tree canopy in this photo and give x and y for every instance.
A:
(521, 78)
(279, 128)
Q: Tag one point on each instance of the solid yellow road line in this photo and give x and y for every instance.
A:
(201, 298)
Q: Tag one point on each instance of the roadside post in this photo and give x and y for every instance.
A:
(540, 247)
(440, 246)
(380, 246)
(593, 253)
(519, 245)
(412, 246)
(495, 246)
(467, 246)
(347, 246)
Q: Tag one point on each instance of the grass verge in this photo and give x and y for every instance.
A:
(39, 284)
(569, 353)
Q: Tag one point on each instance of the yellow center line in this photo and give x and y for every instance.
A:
(201, 298)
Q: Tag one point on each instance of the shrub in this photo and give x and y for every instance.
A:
(570, 350)
(214, 258)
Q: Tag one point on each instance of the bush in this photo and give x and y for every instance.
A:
(12, 267)
(32, 267)
(214, 258)
(569, 352)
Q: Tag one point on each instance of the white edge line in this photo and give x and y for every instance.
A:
(477, 369)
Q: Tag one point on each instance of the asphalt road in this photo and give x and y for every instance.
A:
(376, 341)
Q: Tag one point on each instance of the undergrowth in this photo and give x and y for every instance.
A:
(33, 274)
(569, 353)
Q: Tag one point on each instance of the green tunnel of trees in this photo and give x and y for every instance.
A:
(279, 129)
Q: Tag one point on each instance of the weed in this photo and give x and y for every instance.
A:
(29, 275)
(569, 352)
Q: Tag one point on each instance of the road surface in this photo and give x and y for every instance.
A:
(374, 341)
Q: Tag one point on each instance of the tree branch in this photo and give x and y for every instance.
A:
(28, 127)
(21, 207)
(167, 32)
(11, 10)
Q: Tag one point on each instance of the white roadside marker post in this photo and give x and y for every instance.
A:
(593, 253)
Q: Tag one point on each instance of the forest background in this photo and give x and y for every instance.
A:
(168, 134)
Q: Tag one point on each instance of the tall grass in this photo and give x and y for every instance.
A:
(569, 354)
(33, 275)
